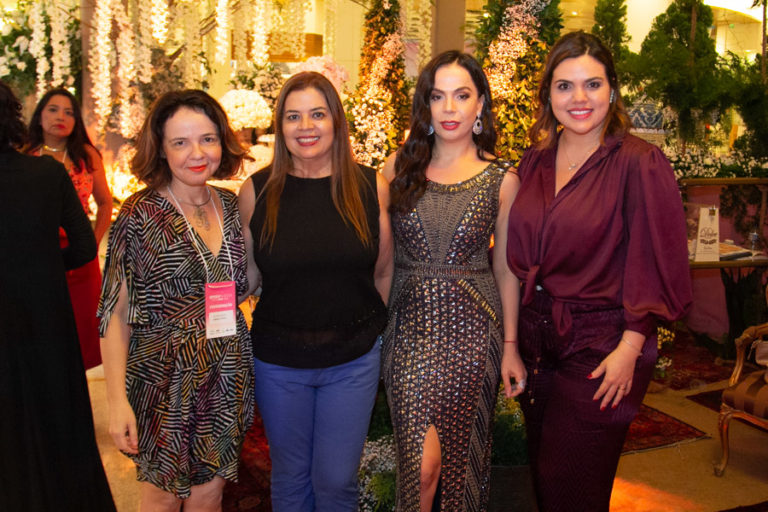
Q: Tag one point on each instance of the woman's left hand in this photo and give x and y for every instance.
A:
(618, 368)
(512, 369)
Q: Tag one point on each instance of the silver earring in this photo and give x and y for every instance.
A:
(477, 128)
(431, 129)
(613, 96)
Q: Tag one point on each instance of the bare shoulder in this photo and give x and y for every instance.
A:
(388, 171)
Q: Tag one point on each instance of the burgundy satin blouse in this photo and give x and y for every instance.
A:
(614, 236)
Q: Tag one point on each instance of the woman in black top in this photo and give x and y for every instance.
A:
(318, 232)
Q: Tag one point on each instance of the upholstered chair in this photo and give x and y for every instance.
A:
(745, 398)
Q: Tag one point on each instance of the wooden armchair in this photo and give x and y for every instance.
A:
(746, 398)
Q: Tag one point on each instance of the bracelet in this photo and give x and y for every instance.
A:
(510, 341)
(639, 352)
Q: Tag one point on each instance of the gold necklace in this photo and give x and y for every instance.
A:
(54, 150)
(579, 163)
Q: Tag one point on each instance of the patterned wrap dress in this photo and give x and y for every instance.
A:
(192, 396)
(443, 343)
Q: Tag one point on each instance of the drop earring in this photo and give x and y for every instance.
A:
(477, 128)
(431, 129)
(613, 96)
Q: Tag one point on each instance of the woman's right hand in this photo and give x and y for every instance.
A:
(122, 427)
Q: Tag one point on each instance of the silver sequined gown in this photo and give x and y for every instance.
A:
(442, 346)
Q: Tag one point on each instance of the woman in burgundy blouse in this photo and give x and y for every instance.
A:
(597, 238)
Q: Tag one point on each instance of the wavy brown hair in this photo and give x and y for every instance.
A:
(13, 132)
(347, 179)
(543, 132)
(76, 141)
(149, 164)
(412, 159)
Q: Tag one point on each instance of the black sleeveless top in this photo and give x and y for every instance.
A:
(318, 306)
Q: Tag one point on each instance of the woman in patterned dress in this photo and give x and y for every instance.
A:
(450, 331)
(177, 354)
(57, 130)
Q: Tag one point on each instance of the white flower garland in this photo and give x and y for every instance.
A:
(37, 45)
(240, 34)
(145, 42)
(98, 63)
(160, 20)
(222, 32)
(329, 39)
(190, 66)
(288, 28)
(261, 13)
(60, 49)
(130, 114)
(418, 20)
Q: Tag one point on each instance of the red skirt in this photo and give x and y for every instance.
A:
(84, 290)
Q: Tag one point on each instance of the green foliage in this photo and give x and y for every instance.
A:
(688, 78)
(381, 423)
(382, 20)
(266, 80)
(514, 109)
(378, 124)
(382, 486)
(750, 97)
(514, 114)
(509, 446)
(610, 26)
(166, 77)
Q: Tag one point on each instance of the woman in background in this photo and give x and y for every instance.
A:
(319, 234)
(57, 130)
(50, 460)
(597, 236)
(453, 316)
(177, 354)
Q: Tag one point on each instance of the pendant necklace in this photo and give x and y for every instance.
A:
(579, 163)
(198, 214)
(54, 150)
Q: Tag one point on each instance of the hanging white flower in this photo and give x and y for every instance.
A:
(99, 63)
(160, 20)
(246, 109)
(260, 16)
(59, 45)
(37, 45)
(130, 115)
(222, 31)
(145, 42)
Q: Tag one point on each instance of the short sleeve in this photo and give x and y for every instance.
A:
(120, 267)
(657, 281)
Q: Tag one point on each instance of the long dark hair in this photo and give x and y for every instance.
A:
(347, 179)
(13, 132)
(412, 159)
(149, 165)
(543, 132)
(76, 141)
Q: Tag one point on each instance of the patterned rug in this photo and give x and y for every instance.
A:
(758, 507)
(653, 429)
(251, 493)
(693, 365)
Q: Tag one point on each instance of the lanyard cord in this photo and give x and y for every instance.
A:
(194, 238)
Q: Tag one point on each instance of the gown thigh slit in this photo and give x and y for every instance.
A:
(442, 347)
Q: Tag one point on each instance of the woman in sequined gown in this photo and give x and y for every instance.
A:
(446, 340)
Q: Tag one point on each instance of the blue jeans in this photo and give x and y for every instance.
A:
(316, 421)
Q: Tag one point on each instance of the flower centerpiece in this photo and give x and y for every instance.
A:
(246, 109)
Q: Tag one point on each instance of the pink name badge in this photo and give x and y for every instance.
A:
(220, 306)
